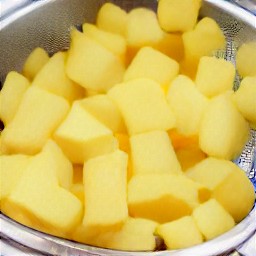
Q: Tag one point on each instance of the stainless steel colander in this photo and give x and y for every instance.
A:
(46, 23)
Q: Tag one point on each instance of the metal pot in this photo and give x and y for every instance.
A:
(46, 23)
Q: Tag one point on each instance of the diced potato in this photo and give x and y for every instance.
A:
(221, 176)
(244, 99)
(105, 187)
(39, 114)
(172, 45)
(64, 167)
(81, 136)
(176, 15)
(34, 62)
(180, 233)
(78, 173)
(161, 197)
(206, 38)
(142, 28)
(52, 77)
(112, 18)
(12, 168)
(96, 73)
(152, 152)
(246, 59)
(124, 142)
(182, 95)
(113, 42)
(105, 110)
(214, 76)
(223, 130)
(11, 95)
(212, 219)
(39, 197)
(135, 235)
(152, 64)
(142, 114)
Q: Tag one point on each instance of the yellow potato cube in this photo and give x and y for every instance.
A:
(244, 99)
(34, 62)
(63, 165)
(176, 15)
(182, 95)
(214, 76)
(39, 114)
(223, 131)
(142, 114)
(12, 168)
(11, 95)
(112, 18)
(113, 42)
(161, 197)
(180, 233)
(152, 152)
(135, 235)
(212, 219)
(246, 59)
(105, 188)
(52, 77)
(39, 197)
(105, 110)
(152, 64)
(142, 28)
(81, 136)
(78, 190)
(206, 38)
(220, 176)
(96, 73)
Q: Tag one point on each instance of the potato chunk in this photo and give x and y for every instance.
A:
(104, 109)
(112, 18)
(244, 99)
(246, 59)
(39, 197)
(212, 219)
(180, 233)
(142, 114)
(52, 77)
(142, 28)
(34, 62)
(81, 136)
(39, 114)
(221, 177)
(223, 130)
(161, 197)
(113, 42)
(152, 152)
(214, 76)
(105, 192)
(96, 73)
(182, 95)
(176, 15)
(14, 87)
(206, 38)
(152, 64)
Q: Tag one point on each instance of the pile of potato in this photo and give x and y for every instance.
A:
(130, 133)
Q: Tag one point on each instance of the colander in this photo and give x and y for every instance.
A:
(47, 23)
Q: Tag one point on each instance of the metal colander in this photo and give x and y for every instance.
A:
(46, 23)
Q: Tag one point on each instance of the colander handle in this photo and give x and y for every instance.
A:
(8, 7)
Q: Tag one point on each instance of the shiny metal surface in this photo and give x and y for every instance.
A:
(46, 23)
